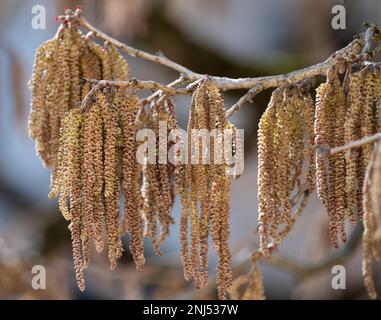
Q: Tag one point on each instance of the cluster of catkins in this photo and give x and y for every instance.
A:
(347, 108)
(205, 191)
(285, 139)
(88, 137)
(96, 164)
(60, 64)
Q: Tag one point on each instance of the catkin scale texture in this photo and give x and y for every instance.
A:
(205, 192)
(285, 140)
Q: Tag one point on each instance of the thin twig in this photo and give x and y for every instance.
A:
(179, 81)
(139, 85)
(324, 150)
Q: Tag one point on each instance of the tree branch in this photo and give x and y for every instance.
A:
(139, 85)
(359, 49)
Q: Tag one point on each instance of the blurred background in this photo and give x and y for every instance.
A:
(235, 38)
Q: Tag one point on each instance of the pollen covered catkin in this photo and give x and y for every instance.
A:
(372, 219)
(361, 121)
(285, 140)
(205, 192)
(56, 86)
(92, 171)
(329, 127)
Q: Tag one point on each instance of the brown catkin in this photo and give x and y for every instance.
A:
(205, 191)
(366, 129)
(339, 159)
(102, 52)
(136, 244)
(111, 191)
(308, 119)
(369, 229)
(74, 172)
(266, 170)
(97, 149)
(38, 122)
(325, 133)
(285, 138)
(88, 180)
(60, 99)
(377, 96)
(320, 139)
(128, 160)
(351, 133)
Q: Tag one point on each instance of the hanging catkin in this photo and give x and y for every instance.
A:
(361, 121)
(285, 139)
(88, 175)
(329, 127)
(206, 191)
(372, 219)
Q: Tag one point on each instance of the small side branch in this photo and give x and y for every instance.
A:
(139, 85)
(324, 150)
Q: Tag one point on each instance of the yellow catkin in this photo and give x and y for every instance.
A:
(111, 192)
(285, 139)
(308, 119)
(339, 159)
(325, 125)
(60, 99)
(205, 121)
(128, 160)
(320, 139)
(74, 172)
(60, 183)
(97, 161)
(76, 50)
(103, 55)
(149, 216)
(367, 129)
(266, 170)
(368, 229)
(55, 104)
(377, 95)
(285, 150)
(88, 181)
(136, 244)
(55, 87)
(43, 73)
(194, 243)
(237, 151)
(132, 181)
(162, 171)
(205, 192)
(351, 133)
